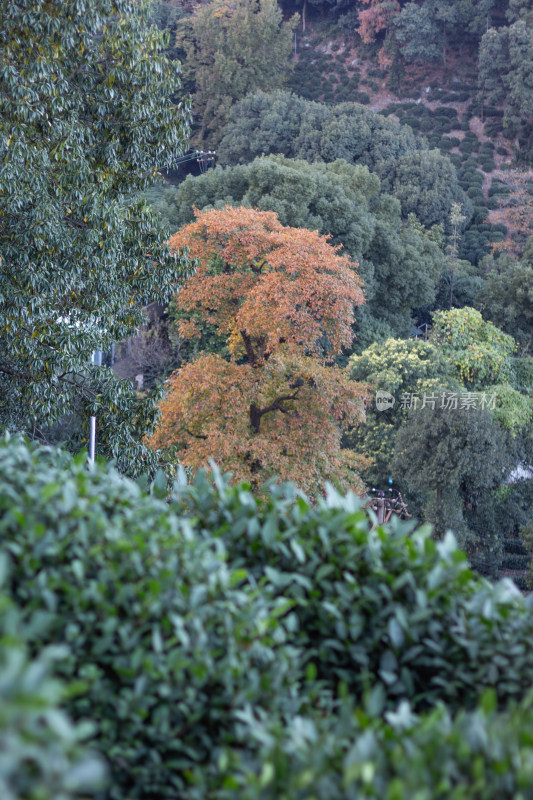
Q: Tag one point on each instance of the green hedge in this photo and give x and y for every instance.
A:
(42, 755)
(481, 755)
(375, 606)
(166, 639)
(209, 630)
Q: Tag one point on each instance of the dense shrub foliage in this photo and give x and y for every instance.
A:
(375, 606)
(480, 755)
(159, 630)
(41, 756)
(231, 646)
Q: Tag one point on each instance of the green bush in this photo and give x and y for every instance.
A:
(442, 124)
(413, 122)
(522, 367)
(426, 124)
(487, 164)
(197, 628)
(474, 193)
(514, 546)
(466, 146)
(166, 639)
(493, 128)
(472, 176)
(515, 561)
(374, 606)
(481, 755)
(41, 752)
(499, 188)
(447, 111)
(479, 215)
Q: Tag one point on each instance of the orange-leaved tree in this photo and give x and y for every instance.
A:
(283, 299)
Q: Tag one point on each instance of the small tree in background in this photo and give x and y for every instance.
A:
(232, 49)
(283, 299)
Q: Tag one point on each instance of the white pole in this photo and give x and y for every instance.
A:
(96, 358)
(92, 439)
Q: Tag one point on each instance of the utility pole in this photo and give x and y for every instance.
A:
(205, 159)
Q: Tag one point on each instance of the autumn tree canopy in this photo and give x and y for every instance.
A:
(283, 299)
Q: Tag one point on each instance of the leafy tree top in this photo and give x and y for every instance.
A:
(232, 49)
(266, 286)
(342, 200)
(479, 351)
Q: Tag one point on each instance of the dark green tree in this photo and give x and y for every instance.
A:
(426, 183)
(520, 10)
(519, 84)
(506, 74)
(481, 15)
(450, 459)
(284, 123)
(506, 297)
(85, 124)
(492, 65)
(418, 33)
(261, 124)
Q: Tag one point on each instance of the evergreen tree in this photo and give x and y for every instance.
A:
(85, 123)
(506, 297)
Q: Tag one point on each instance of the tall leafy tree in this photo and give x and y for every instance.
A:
(492, 64)
(85, 123)
(233, 49)
(405, 368)
(451, 459)
(261, 124)
(283, 299)
(519, 83)
(418, 33)
(426, 183)
(478, 351)
(520, 10)
(399, 264)
(506, 74)
(506, 297)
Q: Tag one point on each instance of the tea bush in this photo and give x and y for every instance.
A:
(42, 754)
(166, 639)
(210, 631)
(374, 606)
(478, 755)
